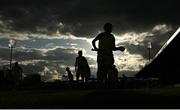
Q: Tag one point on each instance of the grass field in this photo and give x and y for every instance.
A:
(113, 98)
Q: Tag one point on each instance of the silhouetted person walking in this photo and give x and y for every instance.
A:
(81, 67)
(70, 75)
(105, 57)
(17, 73)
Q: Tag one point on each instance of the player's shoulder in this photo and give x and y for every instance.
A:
(111, 35)
(101, 34)
(105, 34)
(83, 57)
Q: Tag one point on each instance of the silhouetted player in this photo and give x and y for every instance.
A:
(81, 67)
(70, 75)
(105, 50)
(17, 73)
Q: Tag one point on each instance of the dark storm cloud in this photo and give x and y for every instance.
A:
(5, 25)
(157, 40)
(33, 68)
(20, 54)
(143, 50)
(86, 17)
(65, 56)
(5, 53)
(27, 54)
(59, 55)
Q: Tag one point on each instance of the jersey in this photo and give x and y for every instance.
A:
(106, 46)
(106, 42)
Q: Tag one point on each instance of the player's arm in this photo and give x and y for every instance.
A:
(94, 42)
(121, 48)
(76, 65)
(113, 46)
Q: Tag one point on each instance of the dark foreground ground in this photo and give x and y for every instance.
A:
(166, 97)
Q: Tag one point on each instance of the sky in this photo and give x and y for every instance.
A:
(49, 33)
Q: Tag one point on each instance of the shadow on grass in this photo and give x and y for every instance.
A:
(114, 98)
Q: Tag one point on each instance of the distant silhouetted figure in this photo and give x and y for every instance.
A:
(82, 68)
(17, 73)
(105, 50)
(113, 76)
(70, 75)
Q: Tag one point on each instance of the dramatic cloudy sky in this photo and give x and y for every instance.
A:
(49, 33)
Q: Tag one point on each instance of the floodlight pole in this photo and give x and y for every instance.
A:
(12, 44)
(149, 46)
(149, 54)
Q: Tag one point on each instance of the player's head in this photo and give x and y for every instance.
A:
(67, 69)
(16, 63)
(108, 27)
(80, 53)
